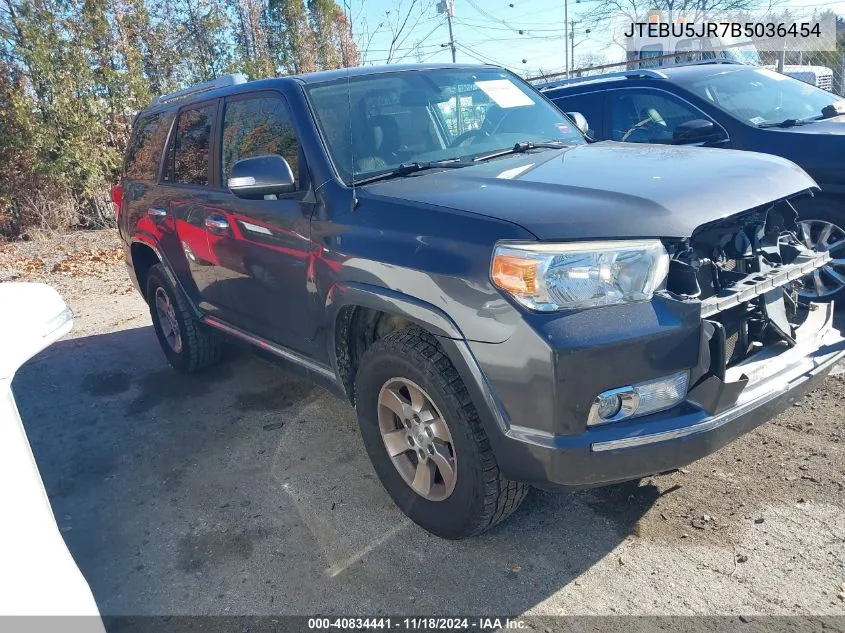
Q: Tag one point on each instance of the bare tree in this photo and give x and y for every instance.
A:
(398, 24)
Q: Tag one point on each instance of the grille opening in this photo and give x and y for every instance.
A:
(744, 270)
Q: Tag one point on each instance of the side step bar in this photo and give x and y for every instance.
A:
(267, 346)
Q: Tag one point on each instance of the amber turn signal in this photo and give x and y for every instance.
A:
(517, 275)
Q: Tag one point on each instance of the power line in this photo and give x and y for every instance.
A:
(428, 56)
(510, 22)
(521, 31)
(419, 42)
(488, 16)
(402, 48)
(526, 36)
(481, 57)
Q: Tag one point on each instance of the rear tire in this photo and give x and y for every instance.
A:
(189, 347)
(479, 497)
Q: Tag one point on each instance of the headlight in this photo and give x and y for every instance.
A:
(549, 277)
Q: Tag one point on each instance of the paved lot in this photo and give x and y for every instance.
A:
(247, 491)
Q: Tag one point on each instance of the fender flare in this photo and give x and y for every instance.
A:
(433, 320)
(150, 242)
(374, 297)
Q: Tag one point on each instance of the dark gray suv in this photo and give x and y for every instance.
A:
(503, 303)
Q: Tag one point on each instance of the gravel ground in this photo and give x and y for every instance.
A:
(247, 491)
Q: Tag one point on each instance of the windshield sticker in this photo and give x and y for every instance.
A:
(505, 93)
(757, 120)
(562, 127)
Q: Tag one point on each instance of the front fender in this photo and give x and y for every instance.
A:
(452, 340)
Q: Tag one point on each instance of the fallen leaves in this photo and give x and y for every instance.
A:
(26, 266)
(91, 263)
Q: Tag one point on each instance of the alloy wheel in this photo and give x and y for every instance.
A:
(822, 236)
(417, 439)
(167, 320)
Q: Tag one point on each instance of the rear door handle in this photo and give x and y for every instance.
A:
(216, 223)
(156, 212)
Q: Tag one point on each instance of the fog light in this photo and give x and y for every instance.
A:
(613, 405)
(639, 399)
(609, 405)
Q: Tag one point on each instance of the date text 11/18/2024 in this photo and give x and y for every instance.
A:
(418, 623)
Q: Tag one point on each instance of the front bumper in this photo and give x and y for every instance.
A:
(592, 456)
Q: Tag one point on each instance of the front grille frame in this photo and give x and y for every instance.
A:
(756, 284)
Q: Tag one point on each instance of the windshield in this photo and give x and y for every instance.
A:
(744, 54)
(420, 116)
(761, 97)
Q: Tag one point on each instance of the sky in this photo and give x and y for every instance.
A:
(488, 31)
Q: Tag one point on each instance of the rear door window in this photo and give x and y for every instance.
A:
(188, 159)
(143, 156)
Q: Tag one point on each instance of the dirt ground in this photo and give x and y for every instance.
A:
(247, 491)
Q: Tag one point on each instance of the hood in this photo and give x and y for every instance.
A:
(608, 190)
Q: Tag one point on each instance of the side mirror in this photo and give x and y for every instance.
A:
(697, 131)
(836, 108)
(580, 121)
(32, 316)
(254, 178)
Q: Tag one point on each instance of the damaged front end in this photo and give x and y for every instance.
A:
(746, 271)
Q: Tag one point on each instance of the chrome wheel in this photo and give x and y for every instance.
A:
(821, 236)
(417, 439)
(167, 320)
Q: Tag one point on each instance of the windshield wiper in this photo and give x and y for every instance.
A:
(521, 148)
(406, 169)
(789, 122)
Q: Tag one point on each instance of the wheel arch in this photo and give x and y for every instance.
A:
(352, 308)
(143, 256)
(355, 307)
(361, 313)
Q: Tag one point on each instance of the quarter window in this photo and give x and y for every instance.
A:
(188, 159)
(144, 153)
(258, 127)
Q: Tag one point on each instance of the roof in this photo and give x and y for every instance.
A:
(688, 72)
(694, 71)
(357, 71)
(234, 84)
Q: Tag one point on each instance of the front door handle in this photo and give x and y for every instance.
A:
(216, 224)
(156, 212)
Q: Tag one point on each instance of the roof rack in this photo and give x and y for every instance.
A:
(221, 82)
(642, 73)
(722, 60)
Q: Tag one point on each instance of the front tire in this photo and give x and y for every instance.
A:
(188, 346)
(425, 440)
(821, 226)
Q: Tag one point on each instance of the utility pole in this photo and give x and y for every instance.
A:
(565, 35)
(573, 43)
(448, 7)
